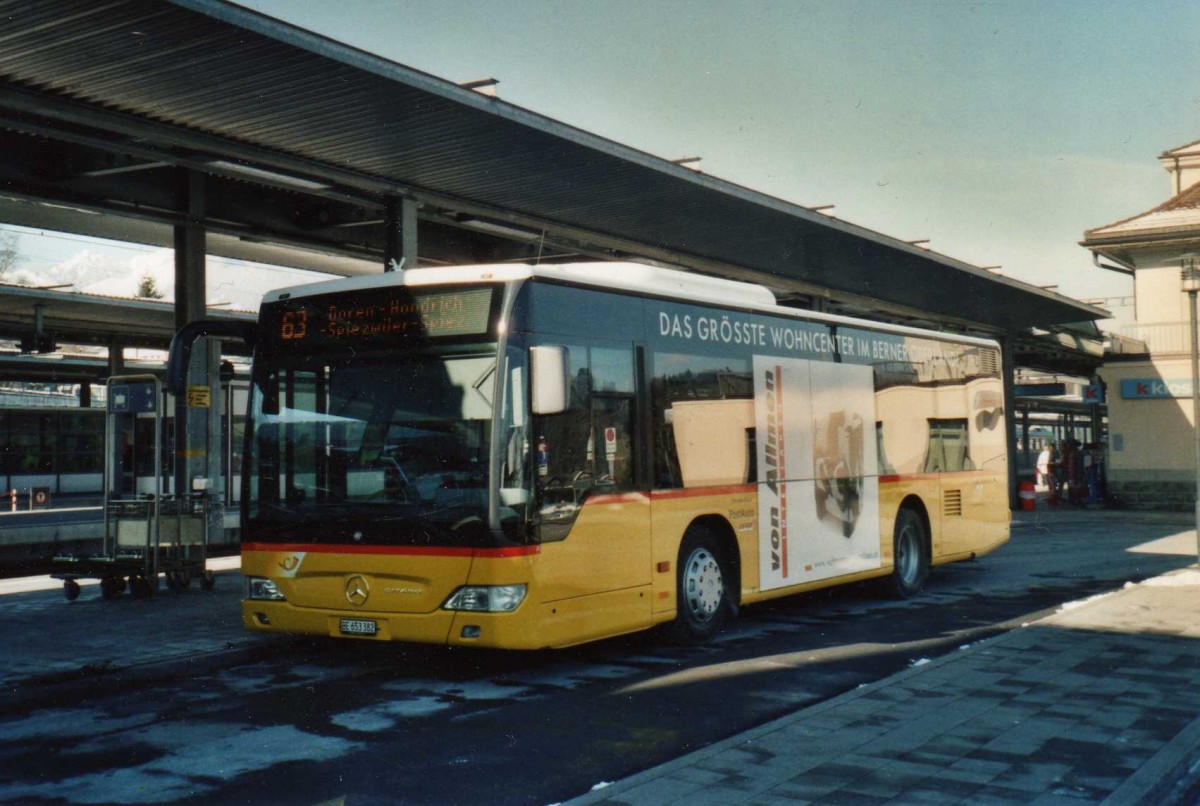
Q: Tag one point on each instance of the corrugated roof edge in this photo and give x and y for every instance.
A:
(17, 289)
(312, 42)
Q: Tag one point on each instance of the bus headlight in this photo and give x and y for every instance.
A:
(260, 588)
(487, 598)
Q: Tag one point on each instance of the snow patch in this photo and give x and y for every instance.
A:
(384, 716)
(1180, 579)
(192, 756)
(68, 723)
(1067, 606)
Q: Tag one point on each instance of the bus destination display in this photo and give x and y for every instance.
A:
(382, 316)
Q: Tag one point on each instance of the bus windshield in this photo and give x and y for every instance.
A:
(388, 451)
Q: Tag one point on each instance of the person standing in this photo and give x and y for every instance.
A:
(1043, 466)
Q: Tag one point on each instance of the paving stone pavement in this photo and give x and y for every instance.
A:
(1096, 703)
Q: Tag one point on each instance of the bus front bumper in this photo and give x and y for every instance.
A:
(491, 630)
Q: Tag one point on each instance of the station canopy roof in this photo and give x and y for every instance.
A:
(106, 106)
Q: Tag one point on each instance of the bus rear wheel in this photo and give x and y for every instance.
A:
(703, 585)
(910, 555)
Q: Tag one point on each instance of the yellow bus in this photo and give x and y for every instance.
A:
(538, 456)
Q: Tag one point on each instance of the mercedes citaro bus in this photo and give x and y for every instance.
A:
(538, 456)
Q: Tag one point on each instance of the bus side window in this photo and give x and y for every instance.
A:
(948, 449)
(885, 467)
(612, 415)
(703, 415)
(588, 448)
(592, 440)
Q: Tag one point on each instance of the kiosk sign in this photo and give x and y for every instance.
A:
(1155, 388)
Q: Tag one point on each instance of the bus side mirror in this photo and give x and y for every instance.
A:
(550, 371)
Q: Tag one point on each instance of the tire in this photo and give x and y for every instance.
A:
(71, 590)
(111, 587)
(142, 587)
(703, 588)
(910, 555)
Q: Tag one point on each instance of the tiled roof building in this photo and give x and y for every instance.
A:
(1151, 461)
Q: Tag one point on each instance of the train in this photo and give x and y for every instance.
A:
(52, 457)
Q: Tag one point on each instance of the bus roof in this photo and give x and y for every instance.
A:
(638, 278)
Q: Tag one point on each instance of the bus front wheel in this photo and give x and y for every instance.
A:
(910, 555)
(703, 585)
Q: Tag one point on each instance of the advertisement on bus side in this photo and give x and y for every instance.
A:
(818, 497)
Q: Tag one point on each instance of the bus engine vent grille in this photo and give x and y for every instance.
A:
(952, 504)
(989, 362)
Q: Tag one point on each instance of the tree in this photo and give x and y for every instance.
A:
(148, 288)
(9, 254)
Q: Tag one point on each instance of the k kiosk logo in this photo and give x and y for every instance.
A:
(1155, 388)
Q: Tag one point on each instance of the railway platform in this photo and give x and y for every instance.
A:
(51, 645)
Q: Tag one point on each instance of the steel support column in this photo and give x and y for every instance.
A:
(116, 358)
(191, 424)
(1025, 437)
(400, 223)
(1008, 372)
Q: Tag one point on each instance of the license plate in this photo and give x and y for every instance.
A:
(358, 626)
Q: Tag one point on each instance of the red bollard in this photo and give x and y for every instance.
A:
(1027, 493)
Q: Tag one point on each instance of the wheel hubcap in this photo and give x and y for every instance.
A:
(703, 585)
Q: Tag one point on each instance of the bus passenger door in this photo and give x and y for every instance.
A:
(593, 514)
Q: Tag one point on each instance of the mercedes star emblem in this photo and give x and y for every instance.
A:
(357, 590)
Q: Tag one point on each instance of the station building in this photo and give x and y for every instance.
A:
(1147, 375)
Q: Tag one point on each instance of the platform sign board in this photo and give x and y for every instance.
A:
(198, 397)
(134, 397)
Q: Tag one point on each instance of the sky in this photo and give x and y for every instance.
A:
(999, 131)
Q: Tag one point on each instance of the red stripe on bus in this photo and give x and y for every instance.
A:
(951, 476)
(614, 498)
(693, 492)
(412, 551)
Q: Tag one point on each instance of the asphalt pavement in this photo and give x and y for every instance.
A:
(1097, 702)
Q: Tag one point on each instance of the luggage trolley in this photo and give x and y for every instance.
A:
(148, 531)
